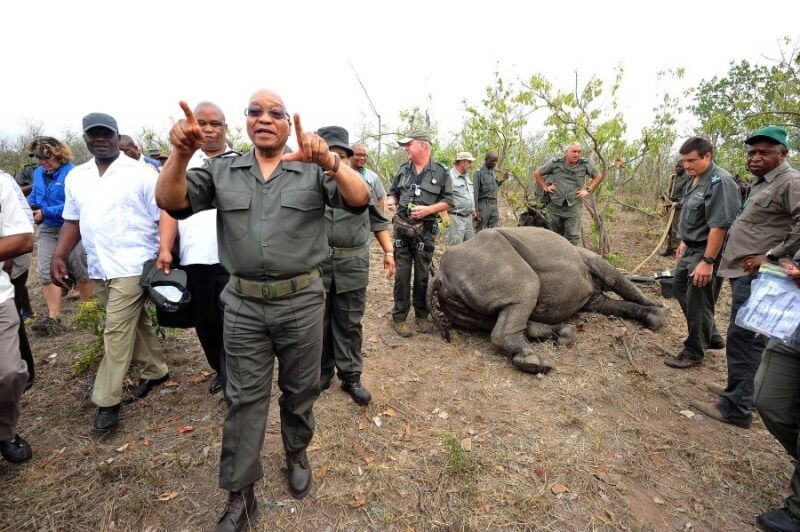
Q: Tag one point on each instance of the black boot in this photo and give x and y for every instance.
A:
(16, 450)
(359, 394)
(780, 520)
(299, 473)
(240, 511)
(107, 418)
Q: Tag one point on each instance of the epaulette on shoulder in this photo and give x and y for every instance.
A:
(555, 159)
(444, 166)
(715, 179)
(583, 160)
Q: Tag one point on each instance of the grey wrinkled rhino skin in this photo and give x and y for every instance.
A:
(523, 283)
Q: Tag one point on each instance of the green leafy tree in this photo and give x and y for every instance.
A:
(749, 96)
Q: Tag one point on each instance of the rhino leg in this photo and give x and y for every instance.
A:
(608, 278)
(509, 335)
(562, 334)
(652, 317)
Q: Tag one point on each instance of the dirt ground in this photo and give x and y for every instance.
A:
(456, 438)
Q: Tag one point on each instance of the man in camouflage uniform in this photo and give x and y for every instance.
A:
(563, 178)
(421, 189)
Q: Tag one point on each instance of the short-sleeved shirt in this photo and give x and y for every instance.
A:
(118, 215)
(568, 179)
(348, 230)
(486, 183)
(269, 230)
(711, 203)
(770, 220)
(463, 201)
(198, 233)
(431, 186)
(374, 181)
(13, 221)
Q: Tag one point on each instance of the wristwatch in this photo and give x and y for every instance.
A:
(709, 260)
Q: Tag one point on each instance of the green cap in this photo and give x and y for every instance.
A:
(416, 134)
(778, 134)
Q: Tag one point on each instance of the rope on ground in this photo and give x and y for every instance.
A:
(660, 242)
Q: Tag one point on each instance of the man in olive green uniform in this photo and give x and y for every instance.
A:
(563, 178)
(767, 228)
(485, 186)
(777, 397)
(271, 234)
(345, 275)
(421, 189)
(678, 184)
(709, 208)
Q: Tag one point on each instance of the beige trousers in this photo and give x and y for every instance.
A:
(128, 336)
(13, 371)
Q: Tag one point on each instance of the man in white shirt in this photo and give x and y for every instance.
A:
(463, 210)
(199, 257)
(16, 238)
(110, 206)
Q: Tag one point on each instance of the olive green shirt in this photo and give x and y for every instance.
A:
(350, 230)
(712, 203)
(486, 183)
(770, 220)
(568, 179)
(434, 186)
(265, 230)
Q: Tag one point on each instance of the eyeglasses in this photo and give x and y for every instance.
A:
(276, 113)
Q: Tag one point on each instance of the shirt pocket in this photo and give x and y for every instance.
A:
(301, 213)
(234, 210)
(430, 192)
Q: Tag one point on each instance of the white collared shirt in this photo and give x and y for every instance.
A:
(198, 233)
(13, 221)
(118, 215)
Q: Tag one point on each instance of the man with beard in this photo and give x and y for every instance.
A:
(271, 206)
(110, 206)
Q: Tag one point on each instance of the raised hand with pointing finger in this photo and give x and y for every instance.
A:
(186, 136)
(311, 148)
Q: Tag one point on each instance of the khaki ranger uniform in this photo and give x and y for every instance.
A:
(272, 240)
(486, 185)
(769, 222)
(431, 186)
(564, 209)
(710, 203)
(345, 275)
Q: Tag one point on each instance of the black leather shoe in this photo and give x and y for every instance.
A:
(240, 512)
(717, 343)
(145, 386)
(681, 361)
(359, 394)
(299, 473)
(16, 450)
(216, 385)
(325, 381)
(778, 521)
(107, 418)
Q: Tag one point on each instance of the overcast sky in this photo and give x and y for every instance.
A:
(136, 59)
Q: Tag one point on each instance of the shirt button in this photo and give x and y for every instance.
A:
(265, 191)
(264, 217)
(263, 244)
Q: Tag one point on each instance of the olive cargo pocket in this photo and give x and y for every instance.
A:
(301, 213)
(234, 209)
(430, 192)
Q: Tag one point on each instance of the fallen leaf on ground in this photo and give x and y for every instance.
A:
(361, 425)
(466, 444)
(540, 472)
(186, 429)
(206, 373)
(659, 500)
(358, 501)
(170, 384)
(656, 459)
(444, 415)
(123, 448)
(146, 442)
(377, 421)
(687, 413)
(389, 411)
(559, 488)
(320, 473)
(473, 367)
(167, 496)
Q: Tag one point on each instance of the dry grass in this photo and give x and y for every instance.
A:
(607, 434)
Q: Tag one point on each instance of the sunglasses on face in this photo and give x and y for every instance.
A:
(276, 113)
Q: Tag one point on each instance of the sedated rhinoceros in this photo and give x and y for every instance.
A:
(523, 283)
